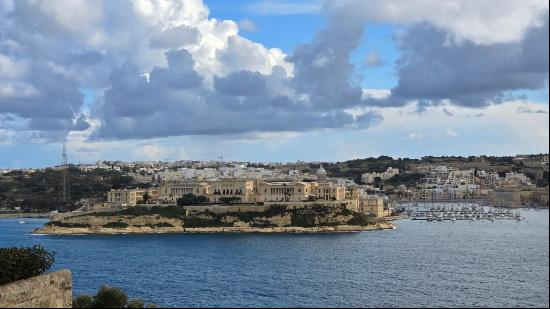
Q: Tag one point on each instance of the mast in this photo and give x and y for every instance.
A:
(66, 185)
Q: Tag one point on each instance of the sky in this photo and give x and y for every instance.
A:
(266, 81)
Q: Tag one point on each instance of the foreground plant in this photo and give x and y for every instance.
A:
(109, 297)
(22, 263)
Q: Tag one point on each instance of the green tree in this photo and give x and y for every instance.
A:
(191, 199)
(110, 297)
(83, 301)
(230, 199)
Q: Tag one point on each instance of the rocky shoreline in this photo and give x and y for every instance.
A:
(56, 230)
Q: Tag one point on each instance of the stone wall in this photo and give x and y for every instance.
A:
(509, 199)
(52, 290)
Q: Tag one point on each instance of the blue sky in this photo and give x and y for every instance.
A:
(431, 86)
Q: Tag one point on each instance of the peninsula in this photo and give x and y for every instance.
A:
(313, 217)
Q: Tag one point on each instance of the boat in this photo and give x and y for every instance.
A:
(22, 221)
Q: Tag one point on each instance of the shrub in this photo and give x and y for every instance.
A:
(302, 220)
(161, 224)
(191, 199)
(70, 225)
(22, 263)
(83, 301)
(171, 211)
(175, 212)
(275, 210)
(226, 200)
(109, 297)
(204, 222)
(362, 219)
(116, 225)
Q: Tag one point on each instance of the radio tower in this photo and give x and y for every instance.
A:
(66, 186)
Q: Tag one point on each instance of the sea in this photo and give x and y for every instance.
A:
(418, 264)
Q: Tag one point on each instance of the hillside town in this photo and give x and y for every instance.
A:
(221, 182)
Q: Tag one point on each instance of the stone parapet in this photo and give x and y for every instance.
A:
(52, 290)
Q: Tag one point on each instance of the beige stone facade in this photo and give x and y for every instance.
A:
(172, 191)
(374, 205)
(256, 191)
(130, 197)
(283, 191)
(53, 290)
(330, 192)
(243, 189)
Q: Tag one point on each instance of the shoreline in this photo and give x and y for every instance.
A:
(25, 215)
(49, 230)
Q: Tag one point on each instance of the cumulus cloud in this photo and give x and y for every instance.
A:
(527, 110)
(468, 74)
(373, 60)
(172, 38)
(241, 102)
(473, 53)
(480, 22)
(33, 91)
(168, 69)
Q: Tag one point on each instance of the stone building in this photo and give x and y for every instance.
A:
(131, 197)
(376, 205)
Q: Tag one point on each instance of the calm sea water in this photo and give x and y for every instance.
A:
(459, 264)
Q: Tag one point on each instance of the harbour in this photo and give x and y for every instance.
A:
(500, 264)
(459, 211)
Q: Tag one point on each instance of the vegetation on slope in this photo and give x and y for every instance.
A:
(42, 190)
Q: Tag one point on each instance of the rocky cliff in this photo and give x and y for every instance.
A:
(177, 219)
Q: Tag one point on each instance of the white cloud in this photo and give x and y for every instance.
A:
(415, 135)
(373, 60)
(451, 132)
(7, 137)
(482, 22)
(270, 7)
(376, 93)
(247, 25)
(499, 129)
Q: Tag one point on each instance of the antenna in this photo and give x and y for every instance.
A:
(66, 185)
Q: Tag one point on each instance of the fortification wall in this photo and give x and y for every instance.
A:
(53, 290)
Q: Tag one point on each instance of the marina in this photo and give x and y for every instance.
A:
(471, 212)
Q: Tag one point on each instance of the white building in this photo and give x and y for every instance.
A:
(170, 176)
